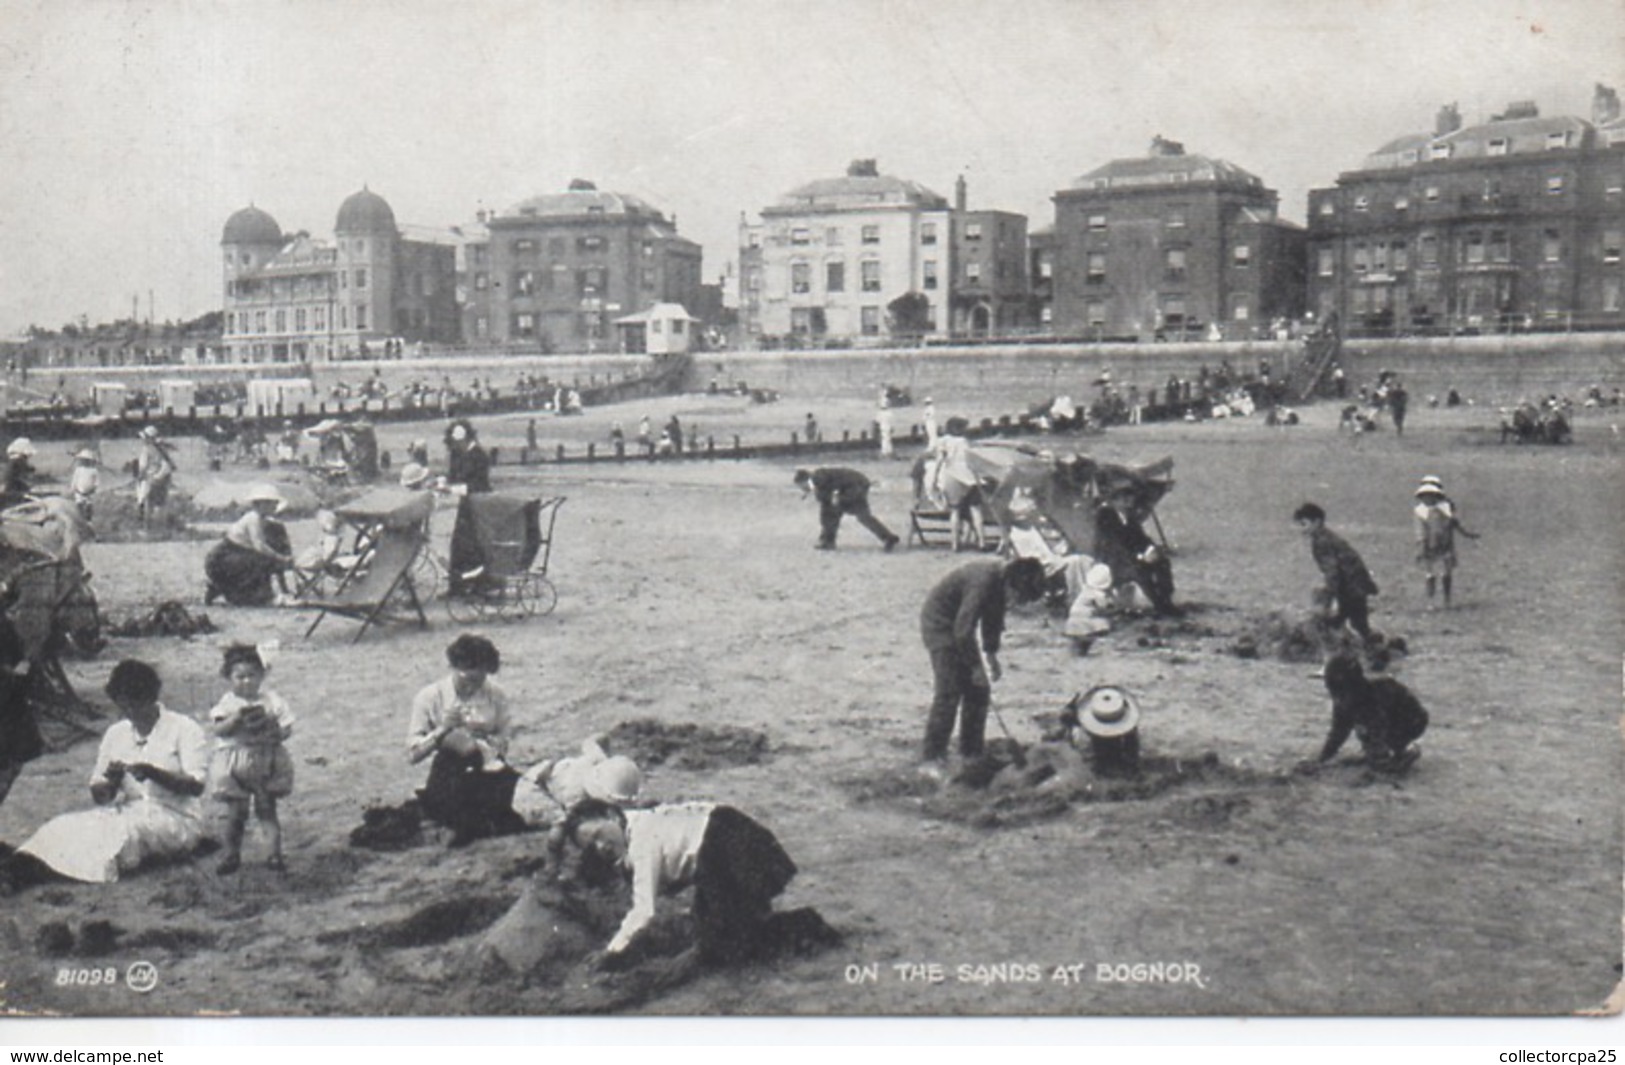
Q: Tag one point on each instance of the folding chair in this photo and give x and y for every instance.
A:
(379, 581)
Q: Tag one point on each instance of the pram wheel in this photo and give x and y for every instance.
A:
(466, 606)
(536, 595)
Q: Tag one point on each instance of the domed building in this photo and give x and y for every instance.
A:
(1173, 245)
(558, 269)
(290, 297)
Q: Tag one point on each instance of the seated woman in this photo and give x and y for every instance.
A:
(149, 773)
(461, 721)
(244, 565)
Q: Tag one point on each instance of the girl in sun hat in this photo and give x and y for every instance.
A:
(1434, 518)
(1109, 717)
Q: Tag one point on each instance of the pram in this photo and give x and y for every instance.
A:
(500, 550)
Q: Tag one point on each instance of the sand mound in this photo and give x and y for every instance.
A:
(438, 922)
(688, 746)
(1002, 791)
(169, 618)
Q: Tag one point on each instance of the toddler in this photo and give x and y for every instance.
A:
(250, 763)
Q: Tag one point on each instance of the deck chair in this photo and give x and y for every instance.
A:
(932, 526)
(380, 588)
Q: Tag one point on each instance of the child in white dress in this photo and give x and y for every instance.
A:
(251, 763)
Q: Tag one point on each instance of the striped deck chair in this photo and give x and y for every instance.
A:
(380, 588)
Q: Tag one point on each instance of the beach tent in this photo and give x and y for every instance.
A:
(1065, 488)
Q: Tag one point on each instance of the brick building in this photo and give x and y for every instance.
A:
(1041, 276)
(1172, 244)
(829, 256)
(1515, 222)
(295, 298)
(989, 291)
(558, 269)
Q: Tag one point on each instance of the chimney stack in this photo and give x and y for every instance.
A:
(1448, 120)
(961, 196)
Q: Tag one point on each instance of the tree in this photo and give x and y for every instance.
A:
(910, 314)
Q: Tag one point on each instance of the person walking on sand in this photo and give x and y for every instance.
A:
(841, 491)
(969, 600)
(154, 469)
(1349, 584)
(1437, 524)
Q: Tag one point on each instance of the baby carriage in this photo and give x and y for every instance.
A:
(500, 549)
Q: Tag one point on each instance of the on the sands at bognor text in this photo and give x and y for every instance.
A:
(1184, 973)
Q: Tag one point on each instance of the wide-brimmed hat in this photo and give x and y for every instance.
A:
(263, 493)
(1432, 479)
(1428, 490)
(150, 432)
(22, 447)
(1108, 711)
(616, 779)
(1098, 577)
(85, 455)
(414, 475)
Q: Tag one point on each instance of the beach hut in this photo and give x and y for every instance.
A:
(664, 329)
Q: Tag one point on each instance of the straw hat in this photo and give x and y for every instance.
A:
(263, 493)
(1428, 490)
(85, 455)
(150, 432)
(414, 475)
(20, 448)
(616, 780)
(1098, 577)
(1108, 711)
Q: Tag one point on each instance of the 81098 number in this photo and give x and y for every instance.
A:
(86, 977)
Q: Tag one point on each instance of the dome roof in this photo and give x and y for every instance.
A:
(365, 212)
(251, 226)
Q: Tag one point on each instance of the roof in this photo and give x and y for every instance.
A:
(1514, 136)
(663, 311)
(1166, 170)
(580, 202)
(251, 226)
(854, 193)
(365, 212)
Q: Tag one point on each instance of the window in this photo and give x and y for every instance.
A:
(1173, 310)
(1497, 146)
(1325, 262)
(1242, 256)
(1239, 311)
(299, 320)
(834, 277)
(1472, 248)
(871, 234)
(481, 281)
(1439, 151)
(259, 321)
(595, 208)
(973, 272)
(1551, 246)
(591, 281)
(1046, 269)
(320, 317)
(1401, 257)
(648, 249)
(344, 279)
(929, 277)
(525, 245)
(928, 232)
(524, 282)
(801, 320)
(344, 316)
(1174, 264)
(1402, 204)
(1611, 241)
(1431, 194)
(973, 231)
(800, 278)
(1094, 313)
(1362, 259)
(1095, 271)
(1046, 314)
(1500, 248)
(870, 318)
(1327, 208)
(1429, 248)
(1554, 185)
(589, 244)
(524, 325)
(1557, 139)
(361, 316)
(1176, 219)
(648, 279)
(482, 327)
(800, 236)
(871, 275)
(361, 277)
(1362, 203)
(1097, 223)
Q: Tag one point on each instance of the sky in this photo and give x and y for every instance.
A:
(132, 130)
